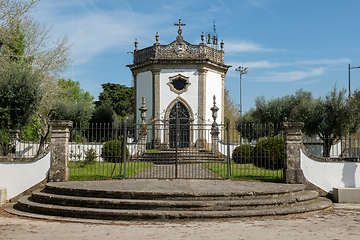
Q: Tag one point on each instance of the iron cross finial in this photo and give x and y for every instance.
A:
(179, 24)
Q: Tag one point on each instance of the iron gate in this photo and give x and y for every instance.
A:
(176, 149)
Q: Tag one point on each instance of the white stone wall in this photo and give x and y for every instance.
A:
(213, 87)
(17, 177)
(329, 175)
(144, 89)
(167, 96)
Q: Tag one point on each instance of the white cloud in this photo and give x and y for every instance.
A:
(246, 46)
(258, 64)
(325, 61)
(289, 76)
(97, 31)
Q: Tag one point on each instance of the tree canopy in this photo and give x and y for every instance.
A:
(118, 98)
(20, 94)
(328, 117)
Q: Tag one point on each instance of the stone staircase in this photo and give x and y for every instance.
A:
(167, 199)
(183, 156)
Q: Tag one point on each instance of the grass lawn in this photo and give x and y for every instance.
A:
(104, 170)
(246, 172)
(153, 150)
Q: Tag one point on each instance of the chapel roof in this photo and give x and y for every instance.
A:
(178, 51)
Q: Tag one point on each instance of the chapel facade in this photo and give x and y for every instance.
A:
(180, 76)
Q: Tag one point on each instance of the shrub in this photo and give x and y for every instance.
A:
(113, 151)
(243, 153)
(90, 156)
(269, 153)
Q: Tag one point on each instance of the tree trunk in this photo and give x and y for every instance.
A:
(327, 143)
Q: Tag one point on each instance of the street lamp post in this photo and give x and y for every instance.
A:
(242, 71)
(350, 144)
(349, 79)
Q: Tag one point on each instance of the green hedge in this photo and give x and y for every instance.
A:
(243, 154)
(269, 153)
(113, 151)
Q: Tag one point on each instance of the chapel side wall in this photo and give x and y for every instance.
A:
(190, 96)
(213, 87)
(144, 89)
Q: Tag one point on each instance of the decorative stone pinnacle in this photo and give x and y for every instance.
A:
(202, 37)
(214, 110)
(179, 24)
(136, 44)
(157, 37)
(222, 45)
(143, 110)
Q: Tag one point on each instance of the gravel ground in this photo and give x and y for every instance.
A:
(340, 222)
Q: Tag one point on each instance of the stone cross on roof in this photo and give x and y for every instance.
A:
(179, 24)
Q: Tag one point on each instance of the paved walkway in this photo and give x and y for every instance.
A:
(341, 222)
(185, 186)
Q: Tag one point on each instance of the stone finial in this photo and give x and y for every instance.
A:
(157, 37)
(143, 110)
(202, 37)
(222, 45)
(214, 109)
(136, 44)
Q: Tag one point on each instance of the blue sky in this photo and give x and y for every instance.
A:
(286, 44)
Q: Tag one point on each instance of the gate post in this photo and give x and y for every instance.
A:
(59, 170)
(293, 140)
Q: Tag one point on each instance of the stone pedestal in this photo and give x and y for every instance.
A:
(215, 138)
(293, 139)
(59, 170)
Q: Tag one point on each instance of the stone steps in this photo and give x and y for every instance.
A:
(121, 214)
(162, 199)
(173, 205)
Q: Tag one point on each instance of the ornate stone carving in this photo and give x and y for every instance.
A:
(179, 50)
(174, 79)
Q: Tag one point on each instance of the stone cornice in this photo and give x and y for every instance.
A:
(174, 64)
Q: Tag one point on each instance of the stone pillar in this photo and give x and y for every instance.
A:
(142, 130)
(135, 95)
(214, 129)
(201, 141)
(222, 106)
(344, 146)
(156, 106)
(14, 136)
(293, 141)
(59, 170)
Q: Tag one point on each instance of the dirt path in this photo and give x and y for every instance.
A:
(341, 222)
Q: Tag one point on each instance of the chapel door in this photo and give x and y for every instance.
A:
(183, 127)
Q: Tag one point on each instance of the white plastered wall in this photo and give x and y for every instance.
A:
(213, 87)
(329, 175)
(167, 96)
(144, 89)
(17, 177)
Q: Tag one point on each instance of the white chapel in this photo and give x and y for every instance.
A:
(183, 76)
